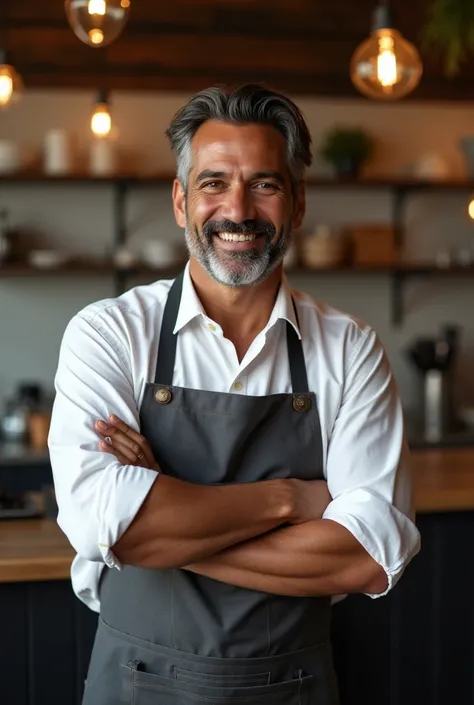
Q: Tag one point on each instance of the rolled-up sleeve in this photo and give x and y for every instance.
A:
(98, 498)
(367, 464)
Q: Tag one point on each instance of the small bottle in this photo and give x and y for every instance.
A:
(57, 153)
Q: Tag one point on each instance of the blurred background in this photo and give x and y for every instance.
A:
(87, 89)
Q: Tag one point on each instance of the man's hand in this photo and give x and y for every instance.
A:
(128, 446)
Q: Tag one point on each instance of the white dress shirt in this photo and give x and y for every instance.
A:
(108, 354)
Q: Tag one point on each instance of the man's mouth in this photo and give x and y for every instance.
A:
(236, 237)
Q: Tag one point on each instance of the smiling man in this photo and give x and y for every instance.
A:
(255, 463)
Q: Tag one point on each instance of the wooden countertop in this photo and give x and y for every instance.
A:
(33, 549)
(36, 549)
(443, 480)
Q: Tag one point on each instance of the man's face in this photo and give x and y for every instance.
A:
(239, 210)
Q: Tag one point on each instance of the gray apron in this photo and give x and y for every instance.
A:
(175, 638)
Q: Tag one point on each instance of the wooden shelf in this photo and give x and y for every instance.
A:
(86, 268)
(36, 177)
(73, 269)
(93, 268)
(399, 184)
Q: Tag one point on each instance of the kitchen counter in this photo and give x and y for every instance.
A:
(33, 550)
(443, 480)
(36, 549)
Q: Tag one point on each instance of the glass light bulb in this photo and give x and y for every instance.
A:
(471, 209)
(97, 7)
(11, 85)
(6, 89)
(96, 36)
(386, 62)
(386, 66)
(101, 122)
(97, 22)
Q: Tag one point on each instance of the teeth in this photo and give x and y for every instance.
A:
(233, 237)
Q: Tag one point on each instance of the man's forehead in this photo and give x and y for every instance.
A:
(228, 144)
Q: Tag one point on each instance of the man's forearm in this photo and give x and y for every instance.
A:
(180, 523)
(314, 558)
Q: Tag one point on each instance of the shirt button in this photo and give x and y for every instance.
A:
(238, 386)
(211, 327)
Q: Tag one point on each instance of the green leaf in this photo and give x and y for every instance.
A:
(346, 142)
(449, 30)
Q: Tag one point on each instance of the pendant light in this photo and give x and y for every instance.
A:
(101, 120)
(470, 208)
(11, 85)
(97, 22)
(386, 66)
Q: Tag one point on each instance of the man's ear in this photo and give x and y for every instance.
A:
(179, 203)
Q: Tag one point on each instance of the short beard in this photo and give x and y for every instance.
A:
(251, 267)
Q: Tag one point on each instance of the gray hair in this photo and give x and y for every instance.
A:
(251, 103)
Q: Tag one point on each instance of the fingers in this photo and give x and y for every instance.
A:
(128, 455)
(131, 444)
(137, 438)
(107, 448)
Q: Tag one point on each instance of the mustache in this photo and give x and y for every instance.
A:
(247, 227)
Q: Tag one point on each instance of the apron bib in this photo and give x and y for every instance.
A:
(175, 638)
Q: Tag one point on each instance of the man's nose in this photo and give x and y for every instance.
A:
(239, 204)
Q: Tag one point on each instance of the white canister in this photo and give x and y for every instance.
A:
(57, 153)
(102, 161)
(9, 157)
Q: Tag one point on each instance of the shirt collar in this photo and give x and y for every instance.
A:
(284, 308)
(190, 306)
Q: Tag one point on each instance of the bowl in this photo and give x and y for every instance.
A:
(47, 259)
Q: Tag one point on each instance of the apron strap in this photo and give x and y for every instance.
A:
(299, 378)
(168, 342)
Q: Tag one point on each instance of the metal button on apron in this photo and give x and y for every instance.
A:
(301, 402)
(163, 396)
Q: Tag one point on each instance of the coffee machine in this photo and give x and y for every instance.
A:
(435, 358)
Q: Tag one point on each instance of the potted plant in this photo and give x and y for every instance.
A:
(450, 30)
(347, 149)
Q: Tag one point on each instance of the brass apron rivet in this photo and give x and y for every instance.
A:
(301, 402)
(163, 396)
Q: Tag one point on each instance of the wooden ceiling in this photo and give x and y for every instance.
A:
(300, 46)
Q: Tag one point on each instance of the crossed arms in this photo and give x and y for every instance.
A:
(261, 535)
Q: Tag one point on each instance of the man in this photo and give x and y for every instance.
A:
(211, 543)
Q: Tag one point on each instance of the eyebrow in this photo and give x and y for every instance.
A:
(210, 174)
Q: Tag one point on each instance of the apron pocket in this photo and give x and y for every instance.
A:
(150, 689)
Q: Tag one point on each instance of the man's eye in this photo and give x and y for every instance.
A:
(266, 186)
(212, 184)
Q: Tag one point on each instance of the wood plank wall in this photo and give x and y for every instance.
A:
(301, 46)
